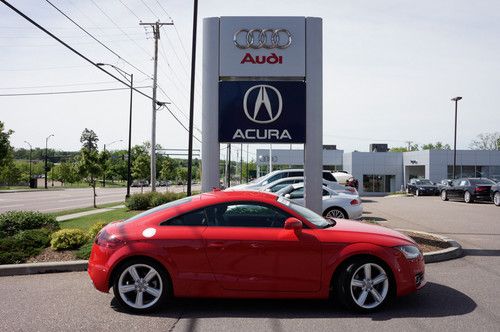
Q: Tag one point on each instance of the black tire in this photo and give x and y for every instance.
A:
(496, 198)
(346, 292)
(444, 195)
(160, 284)
(468, 198)
(335, 212)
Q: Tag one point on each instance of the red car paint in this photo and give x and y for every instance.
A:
(251, 262)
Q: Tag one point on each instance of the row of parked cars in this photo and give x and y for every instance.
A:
(466, 189)
(339, 200)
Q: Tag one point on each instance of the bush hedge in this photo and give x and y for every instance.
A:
(16, 249)
(67, 239)
(13, 222)
(94, 229)
(151, 199)
(84, 251)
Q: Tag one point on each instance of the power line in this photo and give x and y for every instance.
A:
(130, 10)
(53, 86)
(94, 38)
(65, 92)
(27, 18)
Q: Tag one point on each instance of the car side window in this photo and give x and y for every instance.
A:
(329, 177)
(246, 214)
(295, 173)
(326, 193)
(463, 183)
(456, 183)
(195, 218)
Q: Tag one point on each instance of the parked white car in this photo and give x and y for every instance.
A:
(342, 176)
(281, 183)
(258, 183)
(335, 205)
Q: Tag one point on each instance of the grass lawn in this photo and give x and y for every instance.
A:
(87, 221)
(90, 208)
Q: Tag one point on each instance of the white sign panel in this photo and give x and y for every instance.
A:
(262, 47)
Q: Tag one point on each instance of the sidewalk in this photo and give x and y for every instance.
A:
(88, 213)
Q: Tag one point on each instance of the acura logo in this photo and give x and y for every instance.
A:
(262, 38)
(262, 101)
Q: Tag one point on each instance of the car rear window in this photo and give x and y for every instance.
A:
(476, 182)
(160, 208)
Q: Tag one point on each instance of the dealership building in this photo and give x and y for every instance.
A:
(384, 172)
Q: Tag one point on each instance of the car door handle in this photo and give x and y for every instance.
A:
(216, 244)
(256, 245)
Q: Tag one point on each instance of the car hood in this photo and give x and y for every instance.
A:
(354, 231)
(428, 186)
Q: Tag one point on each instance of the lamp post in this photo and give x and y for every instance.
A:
(104, 171)
(456, 99)
(31, 149)
(46, 156)
(129, 153)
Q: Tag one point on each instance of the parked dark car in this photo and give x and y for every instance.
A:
(468, 190)
(443, 183)
(495, 194)
(420, 187)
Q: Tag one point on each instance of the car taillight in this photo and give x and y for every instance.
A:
(111, 241)
(354, 202)
(481, 188)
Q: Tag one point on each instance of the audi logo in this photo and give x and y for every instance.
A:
(262, 38)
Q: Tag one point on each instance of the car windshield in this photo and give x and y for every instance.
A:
(424, 182)
(311, 216)
(160, 208)
(476, 182)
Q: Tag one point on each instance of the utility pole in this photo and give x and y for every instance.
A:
(156, 33)
(247, 163)
(46, 158)
(228, 166)
(31, 149)
(241, 163)
(456, 99)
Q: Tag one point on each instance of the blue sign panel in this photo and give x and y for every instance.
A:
(262, 111)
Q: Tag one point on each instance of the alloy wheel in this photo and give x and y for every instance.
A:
(335, 213)
(140, 286)
(496, 198)
(467, 197)
(369, 286)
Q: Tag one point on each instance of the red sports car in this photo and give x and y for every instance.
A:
(251, 245)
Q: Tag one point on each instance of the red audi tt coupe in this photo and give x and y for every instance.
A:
(251, 245)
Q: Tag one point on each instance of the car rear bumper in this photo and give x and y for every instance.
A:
(98, 269)
(483, 197)
(355, 212)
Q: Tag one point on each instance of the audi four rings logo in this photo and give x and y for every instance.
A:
(263, 101)
(262, 38)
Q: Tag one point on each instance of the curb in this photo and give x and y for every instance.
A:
(453, 252)
(46, 267)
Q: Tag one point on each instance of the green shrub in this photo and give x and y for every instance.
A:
(13, 222)
(95, 228)
(138, 202)
(70, 238)
(151, 199)
(84, 251)
(16, 249)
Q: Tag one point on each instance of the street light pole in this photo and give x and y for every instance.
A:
(31, 149)
(129, 152)
(46, 156)
(456, 99)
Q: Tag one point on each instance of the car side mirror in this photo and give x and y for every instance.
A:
(293, 223)
(287, 196)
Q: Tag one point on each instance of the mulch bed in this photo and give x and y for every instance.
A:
(428, 243)
(49, 255)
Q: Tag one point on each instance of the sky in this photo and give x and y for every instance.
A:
(390, 69)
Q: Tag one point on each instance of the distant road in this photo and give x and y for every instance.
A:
(57, 200)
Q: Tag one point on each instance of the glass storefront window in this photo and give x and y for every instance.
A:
(378, 183)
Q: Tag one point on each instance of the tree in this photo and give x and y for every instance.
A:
(141, 167)
(5, 147)
(486, 141)
(68, 172)
(89, 165)
(437, 146)
(413, 147)
(168, 169)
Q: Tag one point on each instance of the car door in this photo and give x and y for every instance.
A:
(452, 190)
(464, 184)
(249, 250)
(181, 243)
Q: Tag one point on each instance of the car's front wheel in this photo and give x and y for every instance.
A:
(140, 286)
(417, 193)
(496, 198)
(444, 195)
(468, 197)
(365, 285)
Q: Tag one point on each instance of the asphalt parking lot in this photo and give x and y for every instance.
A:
(461, 295)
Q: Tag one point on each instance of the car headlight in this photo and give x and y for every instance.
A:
(410, 252)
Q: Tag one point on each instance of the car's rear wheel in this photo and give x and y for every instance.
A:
(417, 193)
(444, 195)
(496, 198)
(468, 197)
(365, 285)
(141, 286)
(335, 213)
